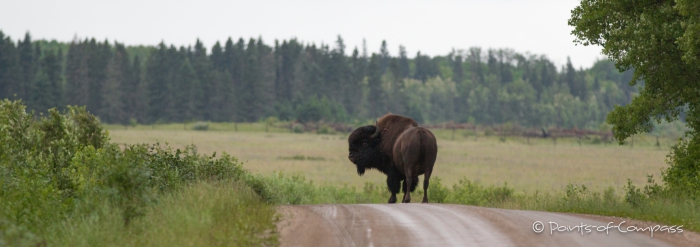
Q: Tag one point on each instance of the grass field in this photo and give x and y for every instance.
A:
(526, 165)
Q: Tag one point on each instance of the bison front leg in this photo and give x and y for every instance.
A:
(394, 183)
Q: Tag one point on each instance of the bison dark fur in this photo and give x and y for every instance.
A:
(397, 147)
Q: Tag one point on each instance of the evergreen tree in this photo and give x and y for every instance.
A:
(458, 70)
(386, 58)
(475, 61)
(251, 83)
(77, 78)
(27, 63)
(202, 93)
(266, 87)
(235, 58)
(358, 68)
(339, 76)
(9, 67)
(99, 55)
(376, 93)
(187, 92)
(112, 110)
(221, 109)
(156, 78)
(289, 60)
(575, 82)
(51, 68)
(218, 60)
(39, 93)
(403, 63)
(133, 95)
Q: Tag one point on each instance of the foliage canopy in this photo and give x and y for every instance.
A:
(659, 39)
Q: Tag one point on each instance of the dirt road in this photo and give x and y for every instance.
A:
(457, 225)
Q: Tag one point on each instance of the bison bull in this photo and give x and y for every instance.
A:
(397, 147)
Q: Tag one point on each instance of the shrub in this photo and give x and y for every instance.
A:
(467, 192)
(324, 130)
(683, 175)
(200, 126)
(298, 128)
(62, 165)
(437, 192)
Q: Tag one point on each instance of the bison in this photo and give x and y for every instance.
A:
(397, 147)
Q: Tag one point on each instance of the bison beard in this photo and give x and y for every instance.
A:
(397, 148)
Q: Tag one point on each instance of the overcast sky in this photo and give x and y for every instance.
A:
(433, 27)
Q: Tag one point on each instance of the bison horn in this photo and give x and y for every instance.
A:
(376, 131)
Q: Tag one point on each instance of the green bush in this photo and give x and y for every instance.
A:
(470, 193)
(683, 175)
(324, 130)
(298, 128)
(61, 165)
(200, 126)
(437, 192)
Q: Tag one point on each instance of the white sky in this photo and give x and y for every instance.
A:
(433, 27)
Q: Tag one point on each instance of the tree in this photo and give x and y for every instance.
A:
(77, 78)
(203, 92)
(475, 61)
(659, 39)
(51, 68)
(457, 70)
(9, 68)
(133, 96)
(403, 63)
(27, 63)
(376, 93)
(384, 53)
(157, 70)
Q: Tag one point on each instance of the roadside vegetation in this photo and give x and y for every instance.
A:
(63, 183)
(653, 202)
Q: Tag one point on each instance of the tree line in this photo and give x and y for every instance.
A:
(246, 81)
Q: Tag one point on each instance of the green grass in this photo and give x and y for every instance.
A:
(224, 213)
(535, 166)
(282, 189)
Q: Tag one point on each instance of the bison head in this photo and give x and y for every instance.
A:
(364, 149)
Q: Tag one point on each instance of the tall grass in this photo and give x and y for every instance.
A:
(225, 213)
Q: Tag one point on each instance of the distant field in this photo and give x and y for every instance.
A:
(537, 165)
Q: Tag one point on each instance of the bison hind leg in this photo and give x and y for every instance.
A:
(394, 184)
(414, 184)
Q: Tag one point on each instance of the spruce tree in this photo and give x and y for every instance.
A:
(9, 68)
(403, 63)
(203, 92)
(376, 93)
(27, 65)
(156, 79)
(251, 82)
(51, 68)
(457, 70)
(77, 78)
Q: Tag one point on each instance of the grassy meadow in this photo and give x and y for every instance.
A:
(525, 165)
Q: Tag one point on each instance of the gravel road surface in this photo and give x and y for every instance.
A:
(458, 225)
